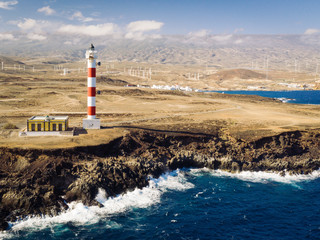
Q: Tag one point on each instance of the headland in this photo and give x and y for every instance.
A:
(145, 132)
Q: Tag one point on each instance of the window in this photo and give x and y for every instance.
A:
(39, 127)
(54, 127)
(33, 127)
(60, 127)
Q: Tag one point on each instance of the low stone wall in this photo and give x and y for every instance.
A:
(47, 133)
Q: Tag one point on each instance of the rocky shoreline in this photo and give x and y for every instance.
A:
(37, 182)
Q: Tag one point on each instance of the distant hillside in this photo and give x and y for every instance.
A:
(237, 74)
(9, 60)
(288, 52)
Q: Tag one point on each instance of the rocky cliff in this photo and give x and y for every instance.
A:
(34, 182)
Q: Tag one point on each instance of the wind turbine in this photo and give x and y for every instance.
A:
(267, 65)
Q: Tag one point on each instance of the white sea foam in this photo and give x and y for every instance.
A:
(174, 181)
(5, 235)
(262, 177)
(80, 214)
(285, 100)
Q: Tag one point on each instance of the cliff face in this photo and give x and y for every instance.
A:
(36, 182)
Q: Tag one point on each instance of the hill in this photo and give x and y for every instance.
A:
(10, 60)
(237, 74)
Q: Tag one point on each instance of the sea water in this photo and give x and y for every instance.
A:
(299, 97)
(192, 204)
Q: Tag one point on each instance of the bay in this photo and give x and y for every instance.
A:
(299, 97)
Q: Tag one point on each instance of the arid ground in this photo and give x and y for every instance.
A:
(42, 92)
(144, 132)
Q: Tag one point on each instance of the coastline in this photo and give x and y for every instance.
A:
(41, 182)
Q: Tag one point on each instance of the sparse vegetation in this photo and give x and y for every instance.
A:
(9, 126)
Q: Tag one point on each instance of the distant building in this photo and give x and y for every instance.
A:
(47, 124)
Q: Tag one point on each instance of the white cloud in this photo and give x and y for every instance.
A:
(136, 30)
(135, 35)
(28, 23)
(311, 31)
(46, 10)
(37, 37)
(144, 26)
(311, 36)
(8, 4)
(74, 41)
(7, 36)
(78, 16)
(39, 29)
(139, 36)
(38, 26)
(238, 41)
(200, 33)
(89, 30)
(222, 38)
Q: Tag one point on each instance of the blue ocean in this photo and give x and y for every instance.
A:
(299, 97)
(195, 204)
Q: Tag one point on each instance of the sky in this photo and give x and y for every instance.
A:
(35, 20)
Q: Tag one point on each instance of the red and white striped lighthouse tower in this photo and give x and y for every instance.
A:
(90, 55)
(91, 122)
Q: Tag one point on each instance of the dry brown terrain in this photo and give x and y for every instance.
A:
(144, 132)
(27, 93)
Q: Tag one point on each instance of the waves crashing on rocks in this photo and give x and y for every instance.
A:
(79, 214)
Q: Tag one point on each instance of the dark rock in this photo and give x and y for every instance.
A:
(44, 181)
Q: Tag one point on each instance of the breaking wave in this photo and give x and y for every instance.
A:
(79, 214)
(259, 177)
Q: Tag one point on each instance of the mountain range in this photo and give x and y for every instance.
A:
(291, 52)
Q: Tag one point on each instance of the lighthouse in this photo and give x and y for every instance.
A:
(91, 122)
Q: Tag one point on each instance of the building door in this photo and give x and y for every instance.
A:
(33, 127)
(60, 127)
(39, 127)
(46, 128)
(54, 127)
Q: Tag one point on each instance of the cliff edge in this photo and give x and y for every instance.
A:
(36, 181)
